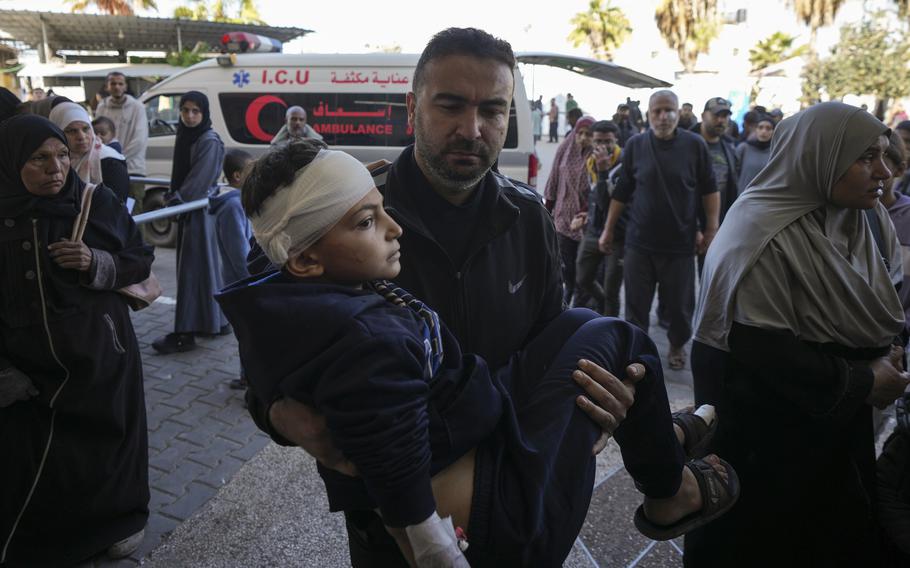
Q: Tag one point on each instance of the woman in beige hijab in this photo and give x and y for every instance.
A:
(797, 314)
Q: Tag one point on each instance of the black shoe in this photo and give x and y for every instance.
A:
(238, 384)
(174, 343)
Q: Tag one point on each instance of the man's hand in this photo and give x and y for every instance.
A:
(889, 382)
(578, 221)
(15, 386)
(72, 255)
(608, 398)
(602, 158)
(301, 425)
(708, 238)
(605, 242)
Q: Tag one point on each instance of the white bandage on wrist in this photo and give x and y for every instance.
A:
(434, 543)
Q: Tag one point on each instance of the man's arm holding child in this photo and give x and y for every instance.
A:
(606, 402)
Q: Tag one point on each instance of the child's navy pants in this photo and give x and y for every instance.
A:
(534, 477)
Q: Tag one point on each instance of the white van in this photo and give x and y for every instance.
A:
(356, 102)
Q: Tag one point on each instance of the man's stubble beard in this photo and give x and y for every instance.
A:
(443, 175)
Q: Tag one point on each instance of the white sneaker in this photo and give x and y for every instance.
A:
(127, 546)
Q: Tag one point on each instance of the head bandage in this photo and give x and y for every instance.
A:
(299, 214)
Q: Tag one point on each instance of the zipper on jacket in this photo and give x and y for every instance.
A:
(66, 377)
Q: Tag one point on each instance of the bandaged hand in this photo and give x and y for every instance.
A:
(435, 545)
(15, 386)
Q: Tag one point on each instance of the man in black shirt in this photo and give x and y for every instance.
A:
(669, 171)
(477, 247)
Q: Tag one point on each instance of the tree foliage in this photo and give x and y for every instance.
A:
(187, 57)
(816, 14)
(870, 59)
(774, 49)
(112, 7)
(602, 27)
(227, 11)
(689, 27)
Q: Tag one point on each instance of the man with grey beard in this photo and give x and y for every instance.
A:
(668, 170)
(477, 247)
(295, 128)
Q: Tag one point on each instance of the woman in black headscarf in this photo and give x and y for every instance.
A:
(198, 156)
(72, 408)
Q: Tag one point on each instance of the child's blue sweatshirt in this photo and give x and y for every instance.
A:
(362, 362)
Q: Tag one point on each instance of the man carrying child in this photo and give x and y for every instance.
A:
(465, 227)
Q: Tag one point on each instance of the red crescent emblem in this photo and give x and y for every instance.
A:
(252, 116)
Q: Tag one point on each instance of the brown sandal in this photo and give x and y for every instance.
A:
(718, 496)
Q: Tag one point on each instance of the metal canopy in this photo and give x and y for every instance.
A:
(91, 32)
(603, 70)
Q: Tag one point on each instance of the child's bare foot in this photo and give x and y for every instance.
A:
(709, 488)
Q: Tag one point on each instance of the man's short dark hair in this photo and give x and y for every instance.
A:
(751, 117)
(114, 74)
(605, 126)
(463, 41)
(896, 151)
(106, 122)
(234, 161)
(276, 169)
(574, 113)
(903, 125)
(684, 105)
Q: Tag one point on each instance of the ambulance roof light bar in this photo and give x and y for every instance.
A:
(245, 42)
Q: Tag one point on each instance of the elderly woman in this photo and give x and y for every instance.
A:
(798, 311)
(94, 161)
(72, 409)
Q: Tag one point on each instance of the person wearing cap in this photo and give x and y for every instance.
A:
(721, 149)
(777, 115)
(566, 197)
(668, 172)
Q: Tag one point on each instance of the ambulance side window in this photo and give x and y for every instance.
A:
(163, 114)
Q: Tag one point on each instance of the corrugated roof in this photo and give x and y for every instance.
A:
(91, 32)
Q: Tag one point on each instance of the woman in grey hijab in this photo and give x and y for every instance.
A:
(796, 318)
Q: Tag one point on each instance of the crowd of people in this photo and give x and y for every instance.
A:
(470, 360)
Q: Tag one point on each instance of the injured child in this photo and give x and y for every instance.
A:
(435, 434)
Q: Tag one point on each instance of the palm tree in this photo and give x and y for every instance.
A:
(219, 11)
(113, 7)
(816, 14)
(689, 27)
(603, 27)
(776, 48)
